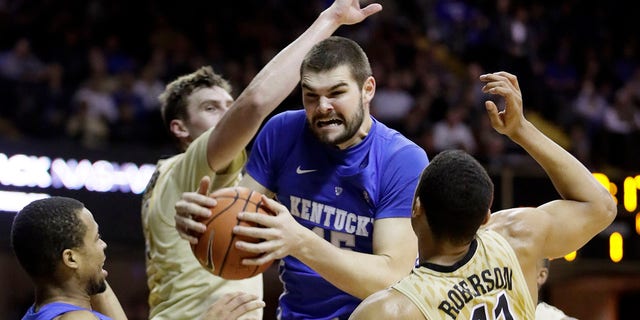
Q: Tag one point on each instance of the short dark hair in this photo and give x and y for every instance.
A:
(42, 230)
(173, 100)
(456, 193)
(336, 51)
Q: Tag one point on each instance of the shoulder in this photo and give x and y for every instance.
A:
(283, 124)
(386, 304)
(393, 145)
(289, 116)
(522, 224)
(78, 315)
(386, 134)
(524, 229)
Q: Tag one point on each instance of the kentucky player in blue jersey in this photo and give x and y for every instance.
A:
(344, 183)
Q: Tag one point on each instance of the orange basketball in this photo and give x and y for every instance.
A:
(216, 249)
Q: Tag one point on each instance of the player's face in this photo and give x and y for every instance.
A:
(205, 108)
(334, 106)
(92, 256)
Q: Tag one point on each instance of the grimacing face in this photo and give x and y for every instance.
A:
(334, 106)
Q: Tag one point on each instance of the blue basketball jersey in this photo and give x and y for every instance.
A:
(56, 309)
(336, 193)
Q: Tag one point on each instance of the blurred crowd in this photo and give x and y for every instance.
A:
(90, 71)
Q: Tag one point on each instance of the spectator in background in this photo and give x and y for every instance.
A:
(561, 76)
(22, 76)
(54, 99)
(130, 126)
(94, 110)
(589, 107)
(393, 102)
(453, 132)
(621, 126)
(20, 64)
(149, 86)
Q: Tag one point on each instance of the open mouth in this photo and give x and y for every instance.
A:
(328, 123)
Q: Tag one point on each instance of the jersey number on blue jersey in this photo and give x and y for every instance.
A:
(338, 239)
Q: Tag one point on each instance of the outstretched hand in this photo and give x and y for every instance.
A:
(233, 305)
(348, 12)
(511, 119)
(192, 208)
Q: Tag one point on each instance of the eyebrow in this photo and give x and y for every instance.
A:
(310, 88)
(216, 102)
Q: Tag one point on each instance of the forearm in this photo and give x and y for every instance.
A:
(571, 178)
(281, 75)
(356, 273)
(265, 92)
(108, 304)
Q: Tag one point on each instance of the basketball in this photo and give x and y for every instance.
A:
(216, 249)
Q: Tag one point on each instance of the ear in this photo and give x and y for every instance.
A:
(368, 90)
(543, 273)
(179, 129)
(70, 258)
(417, 208)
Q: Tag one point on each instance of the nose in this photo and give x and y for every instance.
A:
(324, 104)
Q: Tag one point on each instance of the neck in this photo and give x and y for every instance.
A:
(362, 133)
(48, 294)
(445, 254)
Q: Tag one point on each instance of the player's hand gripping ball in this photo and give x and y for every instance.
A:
(216, 249)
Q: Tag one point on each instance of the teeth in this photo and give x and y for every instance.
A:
(330, 122)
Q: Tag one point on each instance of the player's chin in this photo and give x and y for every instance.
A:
(97, 286)
(330, 136)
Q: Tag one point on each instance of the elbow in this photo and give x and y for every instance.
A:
(607, 208)
(389, 279)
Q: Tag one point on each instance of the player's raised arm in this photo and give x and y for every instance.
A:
(275, 81)
(586, 207)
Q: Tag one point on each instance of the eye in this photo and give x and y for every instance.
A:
(310, 95)
(337, 93)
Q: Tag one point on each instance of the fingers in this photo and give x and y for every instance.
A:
(233, 305)
(204, 185)
(192, 208)
(188, 229)
(245, 305)
(266, 230)
(273, 205)
(509, 120)
(261, 260)
(494, 115)
(195, 205)
(371, 9)
(499, 83)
